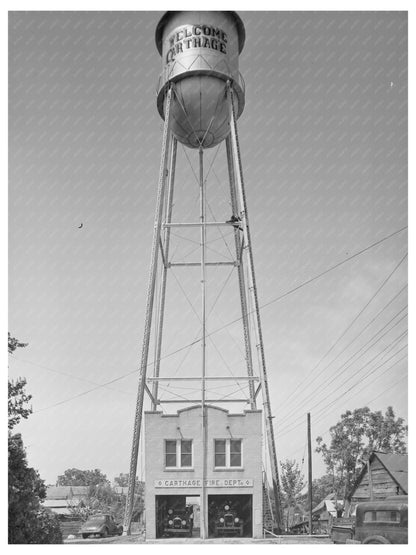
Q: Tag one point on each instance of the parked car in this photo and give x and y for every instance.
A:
(384, 521)
(101, 525)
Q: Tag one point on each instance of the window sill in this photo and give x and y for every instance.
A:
(178, 469)
(228, 469)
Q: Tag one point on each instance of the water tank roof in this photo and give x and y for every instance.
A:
(164, 19)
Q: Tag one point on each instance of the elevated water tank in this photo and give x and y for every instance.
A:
(200, 54)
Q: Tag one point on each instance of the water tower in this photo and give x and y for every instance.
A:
(200, 96)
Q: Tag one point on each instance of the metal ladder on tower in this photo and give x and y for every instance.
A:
(269, 521)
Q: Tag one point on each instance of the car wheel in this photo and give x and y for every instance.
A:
(85, 536)
(104, 533)
(376, 539)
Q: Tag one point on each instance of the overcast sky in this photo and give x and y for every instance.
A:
(324, 151)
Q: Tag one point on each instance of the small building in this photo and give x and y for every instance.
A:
(65, 501)
(61, 500)
(386, 474)
(174, 468)
(323, 514)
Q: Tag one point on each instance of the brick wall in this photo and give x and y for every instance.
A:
(246, 426)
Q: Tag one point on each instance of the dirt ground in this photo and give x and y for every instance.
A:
(139, 538)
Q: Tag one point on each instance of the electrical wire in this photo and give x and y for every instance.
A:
(359, 382)
(276, 299)
(323, 432)
(354, 374)
(67, 374)
(337, 373)
(356, 317)
(322, 413)
(354, 339)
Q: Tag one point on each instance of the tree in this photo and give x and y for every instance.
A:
(29, 521)
(386, 434)
(14, 343)
(17, 396)
(292, 483)
(354, 437)
(76, 477)
(103, 498)
(122, 480)
(17, 401)
(322, 487)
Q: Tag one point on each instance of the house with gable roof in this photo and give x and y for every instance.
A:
(385, 475)
(60, 499)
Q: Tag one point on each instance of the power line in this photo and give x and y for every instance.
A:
(358, 382)
(67, 374)
(348, 327)
(354, 355)
(327, 430)
(321, 411)
(375, 369)
(356, 373)
(308, 281)
(276, 299)
(356, 337)
(397, 340)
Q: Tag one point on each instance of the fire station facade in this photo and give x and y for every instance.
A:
(173, 469)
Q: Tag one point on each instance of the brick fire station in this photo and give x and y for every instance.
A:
(173, 466)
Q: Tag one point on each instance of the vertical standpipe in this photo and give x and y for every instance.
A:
(204, 523)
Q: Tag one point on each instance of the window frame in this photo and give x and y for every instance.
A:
(178, 454)
(228, 465)
(379, 516)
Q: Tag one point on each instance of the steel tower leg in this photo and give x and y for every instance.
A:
(148, 316)
(162, 293)
(252, 285)
(240, 269)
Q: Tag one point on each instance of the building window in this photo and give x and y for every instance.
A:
(186, 452)
(178, 453)
(170, 449)
(235, 452)
(220, 452)
(228, 453)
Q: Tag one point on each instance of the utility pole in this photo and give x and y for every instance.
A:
(309, 473)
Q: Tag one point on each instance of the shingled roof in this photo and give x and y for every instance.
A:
(66, 492)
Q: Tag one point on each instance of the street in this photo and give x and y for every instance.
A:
(136, 538)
